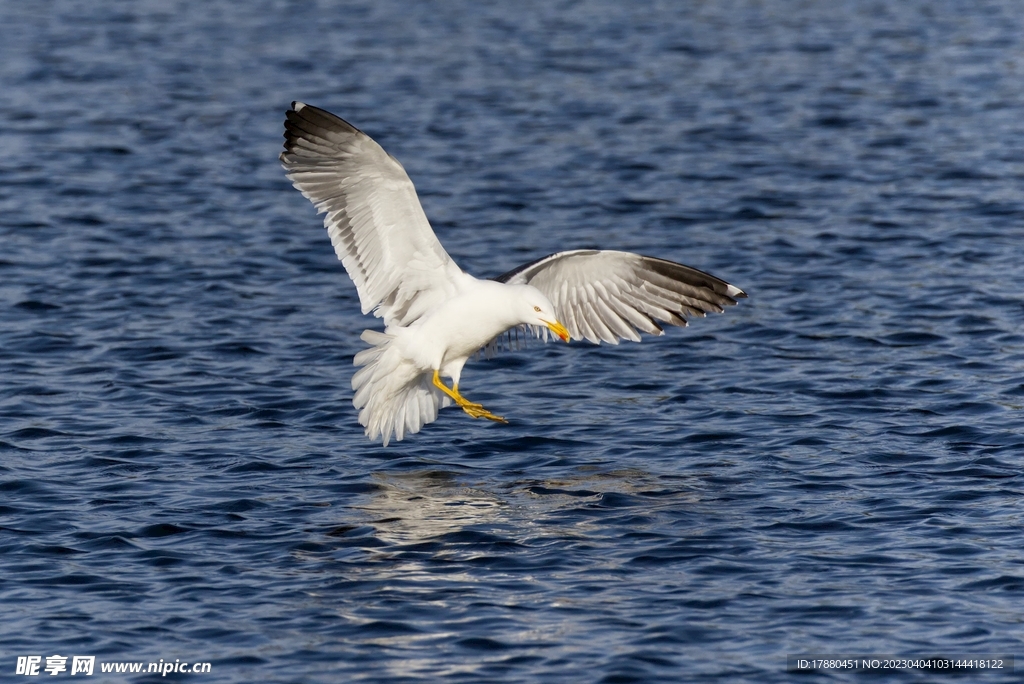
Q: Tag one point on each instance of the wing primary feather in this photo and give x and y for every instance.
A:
(619, 327)
(598, 332)
(649, 308)
(692, 276)
(608, 292)
(636, 318)
(608, 334)
(714, 300)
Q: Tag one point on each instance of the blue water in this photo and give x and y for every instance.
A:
(833, 466)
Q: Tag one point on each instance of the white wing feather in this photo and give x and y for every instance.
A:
(374, 217)
(607, 296)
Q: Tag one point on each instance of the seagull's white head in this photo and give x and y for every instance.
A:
(536, 309)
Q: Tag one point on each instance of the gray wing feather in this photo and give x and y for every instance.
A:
(607, 296)
(373, 215)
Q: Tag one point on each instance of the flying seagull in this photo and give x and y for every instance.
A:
(436, 316)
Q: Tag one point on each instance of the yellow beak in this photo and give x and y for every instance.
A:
(558, 329)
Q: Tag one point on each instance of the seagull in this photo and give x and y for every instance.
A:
(437, 316)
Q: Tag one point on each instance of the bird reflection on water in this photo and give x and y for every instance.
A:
(442, 506)
(515, 555)
(415, 507)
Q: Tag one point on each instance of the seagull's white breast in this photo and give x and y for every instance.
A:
(462, 325)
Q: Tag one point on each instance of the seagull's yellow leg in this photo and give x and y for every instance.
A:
(472, 408)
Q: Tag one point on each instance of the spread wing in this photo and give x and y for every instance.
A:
(374, 217)
(605, 296)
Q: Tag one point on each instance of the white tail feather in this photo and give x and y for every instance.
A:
(393, 395)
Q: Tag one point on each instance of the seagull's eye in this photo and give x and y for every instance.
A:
(537, 309)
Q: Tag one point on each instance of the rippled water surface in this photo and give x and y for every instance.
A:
(833, 466)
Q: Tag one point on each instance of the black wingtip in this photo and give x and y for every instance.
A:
(308, 114)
